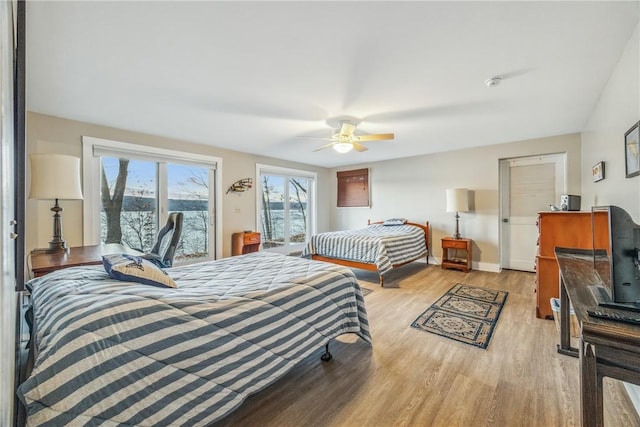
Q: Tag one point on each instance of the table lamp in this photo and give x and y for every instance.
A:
(457, 201)
(55, 177)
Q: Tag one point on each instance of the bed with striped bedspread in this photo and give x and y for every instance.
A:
(119, 353)
(381, 245)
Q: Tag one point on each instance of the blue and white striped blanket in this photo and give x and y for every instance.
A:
(119, 353)
(384, 246)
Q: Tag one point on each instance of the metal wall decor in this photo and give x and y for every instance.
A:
(240, 186)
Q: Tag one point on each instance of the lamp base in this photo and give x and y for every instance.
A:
(457, 234)
(57, 243)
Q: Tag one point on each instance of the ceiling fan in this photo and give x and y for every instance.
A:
(345, 139)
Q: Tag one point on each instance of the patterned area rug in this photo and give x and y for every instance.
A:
(366, 291)
(465, 313)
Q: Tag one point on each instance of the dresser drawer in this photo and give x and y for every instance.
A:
(251, 238)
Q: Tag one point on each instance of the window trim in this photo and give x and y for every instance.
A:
(91, 181)
(279, 170)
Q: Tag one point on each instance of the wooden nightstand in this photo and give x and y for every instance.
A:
(449, 243)
(245, 242)
(45, 262)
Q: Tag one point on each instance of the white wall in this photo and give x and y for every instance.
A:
(49, 134)
(618, 108)
(415, 188)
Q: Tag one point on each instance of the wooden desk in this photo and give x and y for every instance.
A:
(43, 262)
(607, 348)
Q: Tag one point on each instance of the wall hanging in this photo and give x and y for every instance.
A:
(597, 171)
(240, 186)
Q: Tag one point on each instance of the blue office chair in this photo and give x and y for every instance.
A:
(167, 241)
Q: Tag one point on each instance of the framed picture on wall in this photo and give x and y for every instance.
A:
(631, 152)
(597, 171)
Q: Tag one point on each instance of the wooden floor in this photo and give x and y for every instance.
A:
(414, 378)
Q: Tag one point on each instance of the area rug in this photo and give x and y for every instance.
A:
(366, 291)
(465, 313)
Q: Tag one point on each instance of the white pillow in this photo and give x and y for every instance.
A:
(395, 221)
(131, 268)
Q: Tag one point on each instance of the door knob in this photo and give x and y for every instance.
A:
(505, 219)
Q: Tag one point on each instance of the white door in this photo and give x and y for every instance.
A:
(528, 185)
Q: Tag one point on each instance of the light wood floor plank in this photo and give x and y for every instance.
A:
(413, 378)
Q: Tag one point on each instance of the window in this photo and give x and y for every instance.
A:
(353, 188)
(130, 189)
(285, 206)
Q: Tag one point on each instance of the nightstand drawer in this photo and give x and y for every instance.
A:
(251, 238)
(454, 244)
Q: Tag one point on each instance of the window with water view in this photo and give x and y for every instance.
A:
(285, 214)
(137, 195)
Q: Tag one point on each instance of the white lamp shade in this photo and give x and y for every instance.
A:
(55, 176)
(457, 200)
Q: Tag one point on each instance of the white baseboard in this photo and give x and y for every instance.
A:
(480, 266)
(487, 266)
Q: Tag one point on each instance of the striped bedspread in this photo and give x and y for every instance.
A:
(384, 246)
(118, 353)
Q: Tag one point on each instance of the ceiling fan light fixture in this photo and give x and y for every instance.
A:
(343, 147)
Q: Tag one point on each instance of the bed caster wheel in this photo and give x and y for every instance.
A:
(326, 356)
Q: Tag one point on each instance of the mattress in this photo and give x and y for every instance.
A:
(384, 246)
(120, 353)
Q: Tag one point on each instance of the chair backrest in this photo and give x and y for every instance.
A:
(168, 238)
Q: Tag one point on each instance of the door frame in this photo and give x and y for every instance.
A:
(560, 160)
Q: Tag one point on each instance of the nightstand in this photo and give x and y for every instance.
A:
(45, 262)
(245, 242)
(448, 245)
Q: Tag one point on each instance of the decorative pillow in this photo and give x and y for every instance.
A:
(395, 221)
(131, 268)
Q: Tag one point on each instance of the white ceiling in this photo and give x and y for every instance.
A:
(254, 76)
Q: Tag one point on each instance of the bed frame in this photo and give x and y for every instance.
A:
(372, 266)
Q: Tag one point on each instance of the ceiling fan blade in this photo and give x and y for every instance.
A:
(358, 147)
(376, 137)
(325, 146)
